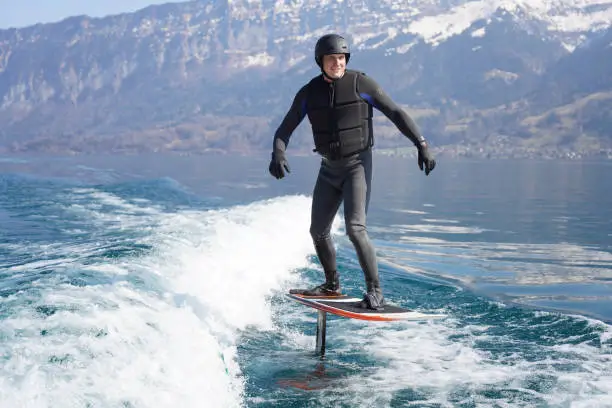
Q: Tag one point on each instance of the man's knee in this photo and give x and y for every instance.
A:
(319, 234)
(356, 232)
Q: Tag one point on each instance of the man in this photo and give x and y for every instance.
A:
(339, 104)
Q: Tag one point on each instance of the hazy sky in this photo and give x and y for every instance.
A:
(20, 13)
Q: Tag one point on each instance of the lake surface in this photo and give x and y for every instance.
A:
(159, 280)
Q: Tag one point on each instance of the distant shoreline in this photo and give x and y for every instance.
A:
(453, 152)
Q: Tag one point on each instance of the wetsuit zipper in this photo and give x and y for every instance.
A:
(335, 142)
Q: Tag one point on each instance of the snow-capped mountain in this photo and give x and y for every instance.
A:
(165, 65)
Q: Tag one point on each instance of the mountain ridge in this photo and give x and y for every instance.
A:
(185, 74)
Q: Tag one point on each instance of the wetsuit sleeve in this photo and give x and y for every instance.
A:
(372, 93)
(291, 121)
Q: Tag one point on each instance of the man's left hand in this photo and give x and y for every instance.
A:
(426, 160)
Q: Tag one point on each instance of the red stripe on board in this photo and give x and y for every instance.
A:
(343, 313)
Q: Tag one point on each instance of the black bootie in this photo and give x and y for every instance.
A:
(373, 298)
(331, 287)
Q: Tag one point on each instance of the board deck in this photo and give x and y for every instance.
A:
(347, 306)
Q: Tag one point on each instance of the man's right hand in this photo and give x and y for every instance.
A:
(278, 165)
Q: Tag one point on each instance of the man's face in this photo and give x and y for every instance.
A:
(334, 65)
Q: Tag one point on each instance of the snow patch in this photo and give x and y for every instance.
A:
(435, 29)
(506, 76)
(578, 20)
(402, 49)
(260, 59)
(560, 15)
(479, 33)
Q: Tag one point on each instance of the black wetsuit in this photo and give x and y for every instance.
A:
(341, 112)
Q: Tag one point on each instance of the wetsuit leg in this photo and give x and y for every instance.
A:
(357, 188)
(326, 199)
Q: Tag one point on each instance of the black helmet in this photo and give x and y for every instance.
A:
(331, 44)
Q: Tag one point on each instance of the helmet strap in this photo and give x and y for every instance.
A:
(327, 76)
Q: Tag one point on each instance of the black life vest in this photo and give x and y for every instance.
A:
(341, 120)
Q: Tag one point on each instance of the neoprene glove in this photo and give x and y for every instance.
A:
(278, 165)
(426, 159)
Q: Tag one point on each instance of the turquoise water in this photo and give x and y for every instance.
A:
(158, 281)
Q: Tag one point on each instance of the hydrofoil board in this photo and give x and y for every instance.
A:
(348, 306)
